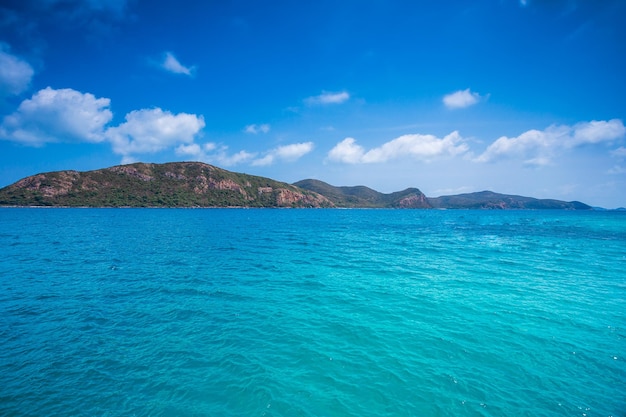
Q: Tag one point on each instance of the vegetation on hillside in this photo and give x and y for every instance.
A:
(361, 196)
(182, 184)
(195, 184)
(413, 198)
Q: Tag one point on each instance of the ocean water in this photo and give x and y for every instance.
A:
(235, 312)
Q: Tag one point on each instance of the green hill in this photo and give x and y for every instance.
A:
(413, 198)
(361, 196)
(491, 200)
(179, 184)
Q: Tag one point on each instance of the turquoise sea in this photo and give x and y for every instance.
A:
(243, 312)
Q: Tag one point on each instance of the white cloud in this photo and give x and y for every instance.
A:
(63, 115)
(152, 130)
(293, 151)
(328, 98)
(68, 115)
(539, 146)
(224, 159)
(171, 64)
(15, 73)
(287, 153)
(127, 159)
(192, 149)
(598, 131)
(461, 99)
(209, 152)
(196, 151)
(265, 161)
(347, 151)
(254, 129)
(422, 147)
(533, 141)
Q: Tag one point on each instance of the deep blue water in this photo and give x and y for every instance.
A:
(234, 312)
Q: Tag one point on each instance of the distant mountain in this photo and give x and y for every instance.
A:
(195, 184)
(491, 200)
(179, 184)
(413, 198)
(361, 196)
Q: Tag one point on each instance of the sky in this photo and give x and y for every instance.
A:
(523, 97)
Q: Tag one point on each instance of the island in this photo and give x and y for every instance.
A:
(196, 184)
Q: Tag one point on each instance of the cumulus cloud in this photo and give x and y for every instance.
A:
(220, 155)
(195, 151)
(254, 129)
(347, 151)
(152, 130)
(422, 147)
(597, 131)
(15, 73)
(461, 99)
(289, 153)
(328, 98)
(171, 64)
(68, 115)
(538, 147)
(63, 115)
(212, 153)
(225, 159)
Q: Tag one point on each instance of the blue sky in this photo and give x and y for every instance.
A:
(520, 97)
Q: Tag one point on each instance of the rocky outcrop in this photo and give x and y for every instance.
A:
(50, 185)
(413, 201)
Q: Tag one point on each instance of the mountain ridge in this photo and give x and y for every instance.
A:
(414, 198)
(196, 184)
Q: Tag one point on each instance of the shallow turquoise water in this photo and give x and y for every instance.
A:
(156, 312)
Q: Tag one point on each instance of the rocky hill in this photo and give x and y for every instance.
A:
(180, 184)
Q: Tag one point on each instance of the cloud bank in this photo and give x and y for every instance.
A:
(70, 116)
(66, 115)
(417, 146)
(538, 147)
